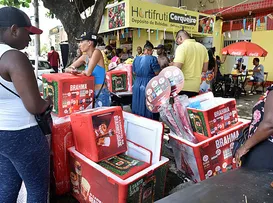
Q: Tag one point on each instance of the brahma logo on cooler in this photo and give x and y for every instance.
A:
(226, 139)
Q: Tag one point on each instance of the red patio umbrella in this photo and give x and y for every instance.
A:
(244, 49)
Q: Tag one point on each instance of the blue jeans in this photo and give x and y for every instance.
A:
(24, 155)
(104, 98)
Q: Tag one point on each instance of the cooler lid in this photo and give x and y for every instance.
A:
(144, 132)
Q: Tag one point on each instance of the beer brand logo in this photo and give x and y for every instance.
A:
(183, 19)
(227, 139)
(78, 87)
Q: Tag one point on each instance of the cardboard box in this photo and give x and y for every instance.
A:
(209, 157)
(117, 81)
(214, 119)
(99, 133)
(70, 93)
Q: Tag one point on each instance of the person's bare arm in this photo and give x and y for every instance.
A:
(96, 56)
(76, 64)
(178, 65)
(23, 78)
(264, 130)
(205, 67)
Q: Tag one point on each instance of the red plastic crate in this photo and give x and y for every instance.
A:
(209, 157)
(117, 81)
(70, 93)
(214, 120)
(99, 133)
(62, 139)
(93, 183)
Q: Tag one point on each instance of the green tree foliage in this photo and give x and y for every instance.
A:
(15, 3)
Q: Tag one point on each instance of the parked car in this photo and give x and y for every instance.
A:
(43, 66)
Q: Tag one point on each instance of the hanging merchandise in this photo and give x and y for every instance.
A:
(149, 34)
(265, 22)
(138, 32)
(248, 27)
(270, 16)
(203, 28)
(229, 35)
(130, 34)
(180, 109)
(156, 34)
(259, 23)
(164, 34)
(118, 35)
(254, 24)
(224, 34)
(175, 77)
(122, 33)
(127, 33)
(231, 25)
(244, 24)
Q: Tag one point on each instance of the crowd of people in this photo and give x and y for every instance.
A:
(24, 155)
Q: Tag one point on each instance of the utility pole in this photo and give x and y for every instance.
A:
(37, 37)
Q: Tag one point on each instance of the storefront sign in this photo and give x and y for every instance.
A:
(156, 16)
(183, 19)
(146, 15)
(116, 16)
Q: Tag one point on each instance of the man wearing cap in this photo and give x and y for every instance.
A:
(24, 152)
(192, 58)
(162, 58)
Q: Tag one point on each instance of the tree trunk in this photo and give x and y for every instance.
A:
(37, 24)
(68, 13)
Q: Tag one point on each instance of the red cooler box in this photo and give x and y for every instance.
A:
(117, 81)
(93, 183)
(70, 93)
(207, 158)
(129, 69)
(218, 114)
(62, 139)
(99, 133)
(100, 185)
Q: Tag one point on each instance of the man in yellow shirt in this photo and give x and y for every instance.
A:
(192, 58)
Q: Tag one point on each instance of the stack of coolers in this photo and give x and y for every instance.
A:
(120, 79)
(70, 93)
(215, 125)
(117, 157)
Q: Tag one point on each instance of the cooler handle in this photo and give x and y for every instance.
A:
(112, 181)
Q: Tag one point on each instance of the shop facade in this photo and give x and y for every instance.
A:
(131, 22)
(248, 22)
